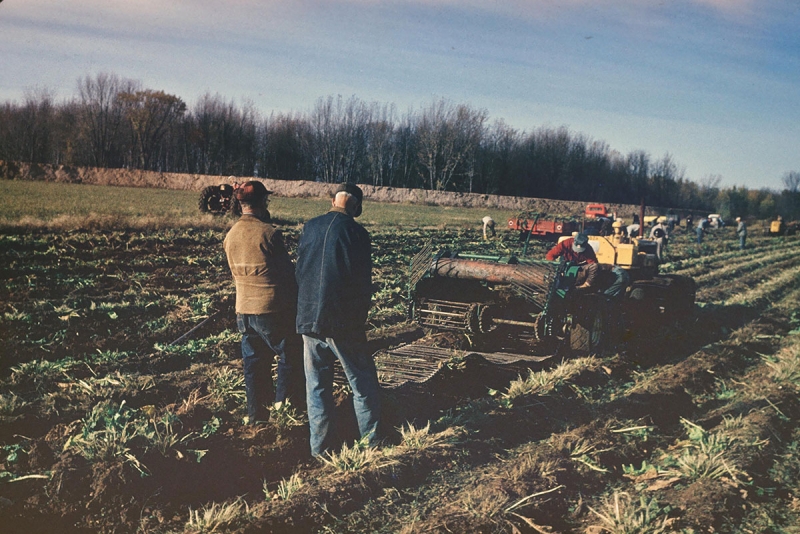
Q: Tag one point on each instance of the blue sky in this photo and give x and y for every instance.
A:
(714, 83)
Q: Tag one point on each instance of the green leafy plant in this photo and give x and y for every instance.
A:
(704, 455)
(284, 416)
(106, 434)
(422, 438)
(226, 388)
(357, 457)
(785, 366)
(621, 514)
(211, 427)
(218, 517)
(543, 382)
(40, 372)
(162, 433)
(286, 488)
(585, 453)
(10, 403)
(12, 452)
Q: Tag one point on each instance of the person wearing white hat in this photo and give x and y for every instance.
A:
(741, 231)
(660, 235)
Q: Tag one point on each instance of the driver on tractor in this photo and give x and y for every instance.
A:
(575, 249)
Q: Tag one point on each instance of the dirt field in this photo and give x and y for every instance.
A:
(106, 426)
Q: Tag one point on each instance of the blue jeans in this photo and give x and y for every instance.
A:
(320, 354)
(699, 235)
(621, 281)
(263, 335)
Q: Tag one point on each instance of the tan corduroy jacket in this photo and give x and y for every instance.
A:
(261, 268)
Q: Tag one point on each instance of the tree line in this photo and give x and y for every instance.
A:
(114, 122)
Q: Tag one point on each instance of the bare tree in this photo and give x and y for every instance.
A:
(102, 116)
(150, 114)
(33, 127)
(663, 186)
(221, 137)
(283, 148)
(448, 135)
(381, 148)
(339, 131)
(639, 171)
(791, 181)
(497, 154)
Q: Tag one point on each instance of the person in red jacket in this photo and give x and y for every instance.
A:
(576, 249)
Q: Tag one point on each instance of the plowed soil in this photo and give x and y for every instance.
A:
(88, 322)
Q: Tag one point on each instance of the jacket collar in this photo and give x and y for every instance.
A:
(251, 217)
(340, 210)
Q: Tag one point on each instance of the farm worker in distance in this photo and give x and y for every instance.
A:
(605, 226)
(575, 249)
(741, 231)
(702, 224)
(488, 227)
(266, 299)
(334, 275)
(618, 236)
(660, 235)
(612, 280)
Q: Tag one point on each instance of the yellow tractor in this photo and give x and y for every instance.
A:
(650, 291)
(779, 227)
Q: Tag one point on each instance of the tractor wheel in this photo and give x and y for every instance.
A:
(587, 336)
(211, 201)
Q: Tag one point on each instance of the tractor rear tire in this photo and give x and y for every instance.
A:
(587, 336)
(211, 201)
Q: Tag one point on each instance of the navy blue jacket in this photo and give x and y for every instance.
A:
(334, 275)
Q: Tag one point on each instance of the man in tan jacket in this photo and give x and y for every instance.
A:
(266, 303)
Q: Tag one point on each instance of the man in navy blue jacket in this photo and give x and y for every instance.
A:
(334, 277)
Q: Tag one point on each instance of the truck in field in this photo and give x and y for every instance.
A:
(596, 210)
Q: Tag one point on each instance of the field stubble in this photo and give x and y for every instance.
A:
(107, 426)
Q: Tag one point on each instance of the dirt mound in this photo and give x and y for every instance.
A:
(295, 188)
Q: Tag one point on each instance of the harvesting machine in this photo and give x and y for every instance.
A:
(522, 309)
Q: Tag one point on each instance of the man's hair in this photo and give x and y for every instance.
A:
(352, 191)
(343, 195)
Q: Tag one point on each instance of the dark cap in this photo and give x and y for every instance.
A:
(352, 189)
(252, 192)
(579, 244)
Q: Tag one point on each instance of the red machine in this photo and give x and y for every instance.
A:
(530, 223)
